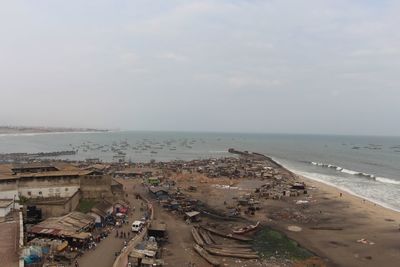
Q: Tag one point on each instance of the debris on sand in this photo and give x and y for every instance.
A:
(294, 228)
(365, 241)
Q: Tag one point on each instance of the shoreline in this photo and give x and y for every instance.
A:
(326, 184)
(302, 174)
(345, 229)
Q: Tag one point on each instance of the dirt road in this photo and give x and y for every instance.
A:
(104, 254)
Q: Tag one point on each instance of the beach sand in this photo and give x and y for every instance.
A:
(359, 219)
(338, 222)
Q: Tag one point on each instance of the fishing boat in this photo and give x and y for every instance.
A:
(230, 236)
(212, 260)
(196, 236)
(234, 253)
(246, 229)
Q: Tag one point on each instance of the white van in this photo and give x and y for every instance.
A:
(137, 226)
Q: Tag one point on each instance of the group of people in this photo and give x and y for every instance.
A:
(123, 234)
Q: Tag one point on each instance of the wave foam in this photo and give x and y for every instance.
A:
(323, 179)
(356, 173)
(387, 180)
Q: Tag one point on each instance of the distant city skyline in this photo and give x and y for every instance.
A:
(318, 67)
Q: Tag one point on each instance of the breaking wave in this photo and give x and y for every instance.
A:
(387, 180)
(356, 173)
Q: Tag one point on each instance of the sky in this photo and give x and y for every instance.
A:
(274, 66)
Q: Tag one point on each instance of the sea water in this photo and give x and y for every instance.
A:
(367, 166)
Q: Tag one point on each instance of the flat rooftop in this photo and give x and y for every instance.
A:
(64, 169)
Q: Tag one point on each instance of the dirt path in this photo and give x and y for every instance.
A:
(104, 254)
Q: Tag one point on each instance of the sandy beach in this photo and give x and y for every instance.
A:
(369, 235)
(340, 228)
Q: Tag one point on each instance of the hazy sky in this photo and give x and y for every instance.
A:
(227, 65)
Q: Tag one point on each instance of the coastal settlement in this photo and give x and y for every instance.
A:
(211, 212)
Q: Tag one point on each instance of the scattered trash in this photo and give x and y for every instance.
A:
(365, 241)
(294, 228)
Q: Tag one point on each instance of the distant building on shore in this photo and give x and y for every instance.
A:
(56, 188)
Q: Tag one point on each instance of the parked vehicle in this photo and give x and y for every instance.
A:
(137, 226)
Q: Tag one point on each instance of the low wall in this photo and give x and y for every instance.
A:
(21, 238)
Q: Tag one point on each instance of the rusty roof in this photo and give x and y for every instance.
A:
(64, 169)
(67, 225)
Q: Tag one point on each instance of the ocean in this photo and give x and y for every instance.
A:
(366, 166)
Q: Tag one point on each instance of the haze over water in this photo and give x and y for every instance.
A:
(366, 166)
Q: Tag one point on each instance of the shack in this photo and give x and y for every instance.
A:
(298, 186)
(145, 254)
(157, 229)
(74, 227)
(192, 216)
(101, 212)
(121, 206)
(159, 192)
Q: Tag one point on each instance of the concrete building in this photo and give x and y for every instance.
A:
(39, 181)
(55, 188)
(6, 205)
(52, 207)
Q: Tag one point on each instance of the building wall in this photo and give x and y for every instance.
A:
(6, 185)
(48, 192)
(48, 187)
(90, 186)
(59, 208)
(4, 211)
(8, 189)
(9, 194)
(95, 186)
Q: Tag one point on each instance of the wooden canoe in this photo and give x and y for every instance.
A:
(196, 237)
(233, 254)
(203, 253)
(233, 249)
(205, 236)
(246, 229)
(231, 236)
(229, 246)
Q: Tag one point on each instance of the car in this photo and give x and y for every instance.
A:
(137, 226)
